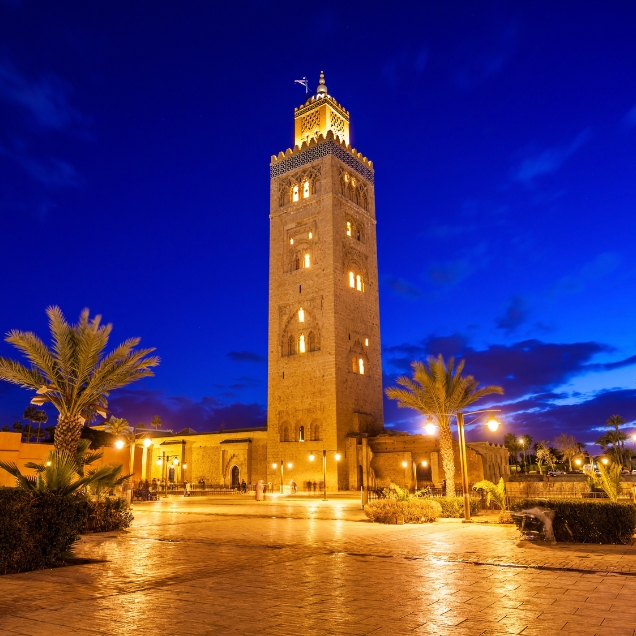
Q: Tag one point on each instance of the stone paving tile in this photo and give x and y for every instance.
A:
(215, 568)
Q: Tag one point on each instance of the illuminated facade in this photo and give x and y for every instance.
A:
(324, 375)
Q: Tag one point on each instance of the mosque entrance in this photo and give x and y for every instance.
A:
(235, 477)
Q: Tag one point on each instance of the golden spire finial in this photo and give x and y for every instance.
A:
(322, 87)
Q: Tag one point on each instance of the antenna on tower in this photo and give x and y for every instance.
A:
(303, 82)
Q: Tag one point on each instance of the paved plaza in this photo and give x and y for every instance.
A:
(289, 567)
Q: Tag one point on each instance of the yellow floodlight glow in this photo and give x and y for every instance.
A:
(289, 465)
(311, 457)
(337, 456)
(424, 463)
(274, 465)
(404, 464)
(429, 427)
(48, 463)
(175, 461)
(493, 423)
(119, 444)
(147, 442)
(605, 460)
(185, 465)
(159, 461)
(577, 462)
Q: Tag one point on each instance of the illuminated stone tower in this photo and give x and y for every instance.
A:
(325, 376)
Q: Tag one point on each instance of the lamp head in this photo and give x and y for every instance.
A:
(424, 463)
(429, 427)
(493, 423)
(119, 444)
(337, 456)
(185, 465)
(147, 442)
(289, 465)
(311, 457)
(274, 465)
(404, 464)
(605, 460)
(159, 461)
(175, 461)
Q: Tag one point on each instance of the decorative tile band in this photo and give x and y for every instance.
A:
(318, 152)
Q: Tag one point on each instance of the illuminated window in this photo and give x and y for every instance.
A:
(291, 241)
(366, 342)
(348, 228)
(301, 315)
(346, 178)
(361, 366)
(305, 189)
(352, 280)
(301, 344)
(295, 193)
(359, 282)
(354, 365)
(301, 434)
(311, 235)
(353, 182)
(306, 260)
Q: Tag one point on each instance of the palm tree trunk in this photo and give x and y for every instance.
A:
(67, 433)
(448, 456)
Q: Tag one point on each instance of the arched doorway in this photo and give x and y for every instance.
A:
(423, 474)
(235, 476)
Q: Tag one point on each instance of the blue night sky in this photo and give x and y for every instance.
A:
(134, 180)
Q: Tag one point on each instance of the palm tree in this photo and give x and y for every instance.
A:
(17, 426)
(30, 414)
(75, 375)
(117, 426)
(40, 417)
(156, 422)
(511, 443)
(439, 389)
(618, 437)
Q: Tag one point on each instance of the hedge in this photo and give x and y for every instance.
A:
(37, 530)
(585, 521)
(453, 507)
(394, 511)
(107, 514)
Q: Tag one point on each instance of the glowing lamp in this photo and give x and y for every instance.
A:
(147, 442)
(521, 441)
(48, 463)
(577, 462)
(289, 465)
(175, 461)
(119, 444)
(605, 460)
(493, 423)
(337, 456)
(404, 464)
(159, 461)
(185, 465)
(311, 457)
(424, 463)
(274, 466)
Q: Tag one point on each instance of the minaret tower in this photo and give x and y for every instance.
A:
(324, 365)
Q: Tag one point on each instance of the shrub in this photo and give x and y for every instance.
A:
(37, 529)
(411, 511)
(105, 515)
(585, 521)
(453, 507)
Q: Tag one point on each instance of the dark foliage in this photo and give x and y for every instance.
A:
(98, 439)
(106, 515)
(37, 530)
(581, 521)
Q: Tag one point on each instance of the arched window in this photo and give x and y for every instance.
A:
(359, 282)
(291, 241)
(297, 262)
(311, 341)
(301, 343)
(315, 433)
(352, 280)
(348, 228)
(311, 235)
(301, 434)
(354, 365)
(305, 189)
(290, 346)
(285, 434)
(357, 234)
(301, 315)
(361, 366)
(306, 260)
(295, 193)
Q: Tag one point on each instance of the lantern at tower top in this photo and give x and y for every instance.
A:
(320, 114)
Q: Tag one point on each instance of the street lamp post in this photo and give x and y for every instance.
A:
(492, 424)
(324, 468)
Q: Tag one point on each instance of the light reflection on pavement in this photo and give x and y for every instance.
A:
(312, 567)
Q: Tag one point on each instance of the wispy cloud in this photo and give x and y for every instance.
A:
(450, 272)
(515, 315)
(50, 171)
(602, 265)
(245, 356)
(45, 99)
(630, 119)
(547, 161)
(402, 287)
